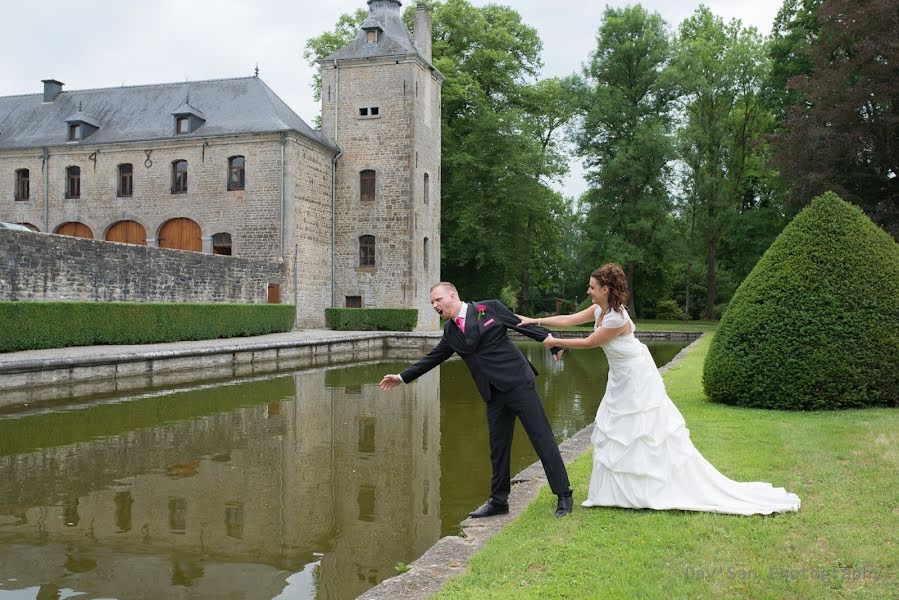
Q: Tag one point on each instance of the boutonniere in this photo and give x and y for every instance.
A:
(482, 310)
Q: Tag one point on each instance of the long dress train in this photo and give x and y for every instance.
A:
(643, 456)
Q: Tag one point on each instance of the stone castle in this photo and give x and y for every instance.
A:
(350, 212)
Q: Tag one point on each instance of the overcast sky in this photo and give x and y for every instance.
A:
(106, 43)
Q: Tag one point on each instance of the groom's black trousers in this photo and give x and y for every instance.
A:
(524, 403)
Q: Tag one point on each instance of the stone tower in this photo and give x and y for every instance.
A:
(381, 107)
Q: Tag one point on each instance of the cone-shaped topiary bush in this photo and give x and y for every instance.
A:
(815, 325)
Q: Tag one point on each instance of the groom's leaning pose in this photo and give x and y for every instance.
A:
(505, 378)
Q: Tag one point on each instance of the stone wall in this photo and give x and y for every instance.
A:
(400, 144)
(250, 216)
(38, 266)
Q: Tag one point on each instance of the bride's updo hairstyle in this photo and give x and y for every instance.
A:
(612, 276)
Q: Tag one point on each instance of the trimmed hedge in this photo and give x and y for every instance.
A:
(371, 319)
(814, 325)
(35, 325)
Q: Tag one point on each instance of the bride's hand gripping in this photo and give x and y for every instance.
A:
(525, 320)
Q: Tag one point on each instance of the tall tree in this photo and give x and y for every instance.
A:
(722, 67)
(625, 139)
(549, 106)
(844, 136)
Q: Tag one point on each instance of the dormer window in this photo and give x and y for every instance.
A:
(187, 118)
(81, 125)
(372, 30)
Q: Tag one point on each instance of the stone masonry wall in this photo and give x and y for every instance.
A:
(308, 220)
(249, 215)
(37, 266)
(400, 144)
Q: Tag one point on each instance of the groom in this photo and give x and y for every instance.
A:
(505, 379)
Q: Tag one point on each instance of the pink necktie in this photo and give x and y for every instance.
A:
(461, 323)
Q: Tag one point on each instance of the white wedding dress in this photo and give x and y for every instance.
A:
(642, 453)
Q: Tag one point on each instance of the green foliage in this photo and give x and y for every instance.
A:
(626, 141)
(721, 68)
(813, 326)
(669, 310)
(371, 319)
(34, 325)
(840, 132)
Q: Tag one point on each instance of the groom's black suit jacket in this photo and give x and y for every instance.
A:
(490, 355)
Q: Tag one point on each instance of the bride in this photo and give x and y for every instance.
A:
(642, 453)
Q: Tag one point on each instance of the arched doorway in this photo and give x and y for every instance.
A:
(181, 234)
(127, 232)
(75, 229)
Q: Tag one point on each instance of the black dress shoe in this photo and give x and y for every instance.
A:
(564, 506)
(488, 509)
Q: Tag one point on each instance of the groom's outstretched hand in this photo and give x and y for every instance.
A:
(389, 382)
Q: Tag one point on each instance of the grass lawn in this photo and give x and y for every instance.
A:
(841, 544)
(654, 325)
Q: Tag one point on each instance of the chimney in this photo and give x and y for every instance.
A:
(422, 31)
(52, 89)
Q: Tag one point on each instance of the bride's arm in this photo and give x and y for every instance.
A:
(578, 318)
(597, 338)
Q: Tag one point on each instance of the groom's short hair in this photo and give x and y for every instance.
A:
(445, 284)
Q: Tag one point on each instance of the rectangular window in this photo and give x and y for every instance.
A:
(363, 112)
(179, 177)
(23, 185)
(354, 301)
(371, 36)
(367, 186)
(126, 174)
(74, 132)
(182, 125)
(367, 251)
(73, 182)
(235, 173)
(374, 111)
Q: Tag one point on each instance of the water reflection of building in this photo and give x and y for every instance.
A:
(333, 473)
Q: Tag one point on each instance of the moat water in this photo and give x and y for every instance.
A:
(311, 484)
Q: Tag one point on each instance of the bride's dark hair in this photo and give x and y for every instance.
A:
(612, 276)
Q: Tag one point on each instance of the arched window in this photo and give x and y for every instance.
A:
(236, 173)
(367, 186)
(126, 180)
(367, 251)
(23, 185)
(73, 182)
(427, 184)
(221, 244)
(425, 254)
(179, 177)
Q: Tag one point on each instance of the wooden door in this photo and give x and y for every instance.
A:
(75, 229)
(181, 234)
(127, 232)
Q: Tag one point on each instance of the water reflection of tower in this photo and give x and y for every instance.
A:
(384, 478)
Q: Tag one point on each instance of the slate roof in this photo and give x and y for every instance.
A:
(145, 112)
(394, 40)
